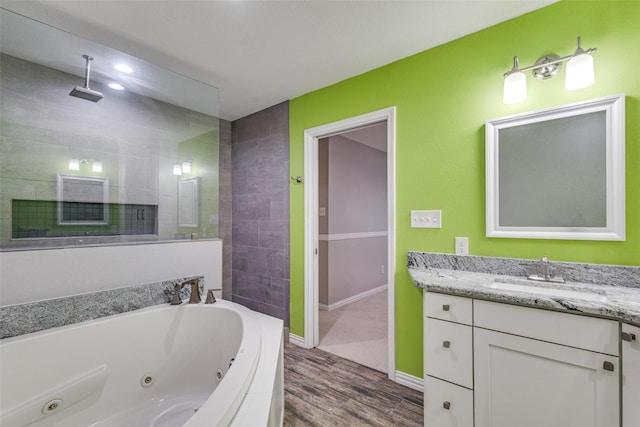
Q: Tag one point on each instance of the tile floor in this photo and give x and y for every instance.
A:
(322, 389)
(358, 331)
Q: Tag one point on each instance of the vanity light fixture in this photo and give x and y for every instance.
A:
(177, 169)
(579, 73)
(97, 167)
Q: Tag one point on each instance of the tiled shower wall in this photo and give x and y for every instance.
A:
(260, 191)
(224, 205)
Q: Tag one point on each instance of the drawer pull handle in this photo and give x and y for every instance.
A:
(445, 307)
(446, 405)
(446, 344)
(607, 366)
(628, 336)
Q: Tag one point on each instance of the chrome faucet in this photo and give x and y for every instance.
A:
(544, 264)
(194, 298)
(542, 272)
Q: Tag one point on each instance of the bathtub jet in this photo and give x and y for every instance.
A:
(85, 92)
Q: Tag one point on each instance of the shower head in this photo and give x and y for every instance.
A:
(85, 92)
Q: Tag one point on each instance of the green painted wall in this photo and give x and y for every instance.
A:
(443, 98)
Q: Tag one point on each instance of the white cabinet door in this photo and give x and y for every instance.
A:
(630, 376)
(529, 383)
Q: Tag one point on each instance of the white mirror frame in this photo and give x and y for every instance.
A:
(614, 108)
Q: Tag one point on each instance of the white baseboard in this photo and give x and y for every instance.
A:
(297, 340)
(410, 381)
(345, 301)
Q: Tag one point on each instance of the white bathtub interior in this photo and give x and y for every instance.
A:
(192, 365)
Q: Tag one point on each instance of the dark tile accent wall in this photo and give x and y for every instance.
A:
(225, 206)
(260, 188)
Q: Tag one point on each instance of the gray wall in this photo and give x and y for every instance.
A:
(260, 192)
(352, 185)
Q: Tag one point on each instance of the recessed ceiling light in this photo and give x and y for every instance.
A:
(116, 86)
(124, 68)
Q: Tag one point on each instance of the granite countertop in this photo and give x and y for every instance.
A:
(617, 302)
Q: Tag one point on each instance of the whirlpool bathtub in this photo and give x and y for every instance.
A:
(163, 366)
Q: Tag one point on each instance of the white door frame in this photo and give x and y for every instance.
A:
(311, 265)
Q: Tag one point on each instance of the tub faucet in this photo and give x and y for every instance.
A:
(194, 298)
(211, 298)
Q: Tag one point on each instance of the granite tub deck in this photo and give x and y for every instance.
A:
(620, 302)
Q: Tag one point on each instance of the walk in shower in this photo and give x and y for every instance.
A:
(140, 165)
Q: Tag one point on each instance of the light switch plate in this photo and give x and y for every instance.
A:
(322, 211)
(426, 219)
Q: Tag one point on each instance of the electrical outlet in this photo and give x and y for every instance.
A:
(426, 219)
(462, 246)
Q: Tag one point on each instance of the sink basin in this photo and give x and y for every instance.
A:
(554, 290)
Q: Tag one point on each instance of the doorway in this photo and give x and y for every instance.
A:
(348, 127)
(352, 209)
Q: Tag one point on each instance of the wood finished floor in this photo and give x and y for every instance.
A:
(322, 389)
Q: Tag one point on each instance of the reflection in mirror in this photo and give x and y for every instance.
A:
(558, 173)
(125, 143)
(188, 202)
(82, 200)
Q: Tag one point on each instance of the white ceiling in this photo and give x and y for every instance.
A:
(260, 53)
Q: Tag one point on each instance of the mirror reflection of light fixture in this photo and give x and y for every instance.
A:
(177, 169)
(186, 166)
(74, 164)
(579, 73)
(116, 86)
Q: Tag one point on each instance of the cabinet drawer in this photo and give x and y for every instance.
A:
(437, 394)
(589, 333)
(448, 307)
(448, 351)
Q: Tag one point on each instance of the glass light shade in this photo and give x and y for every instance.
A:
(515, 88)
(186, 167)
(97, 167)
(74, 164)
(177, 169)
(579, 72)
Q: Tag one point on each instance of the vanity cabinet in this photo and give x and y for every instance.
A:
(448, 361)
(528, 367)
(530, 382)
(630, 375)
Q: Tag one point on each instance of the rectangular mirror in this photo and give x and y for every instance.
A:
(188, 202)
(558, 173)
(83, 200)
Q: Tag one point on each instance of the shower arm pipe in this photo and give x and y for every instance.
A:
(87, 70)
